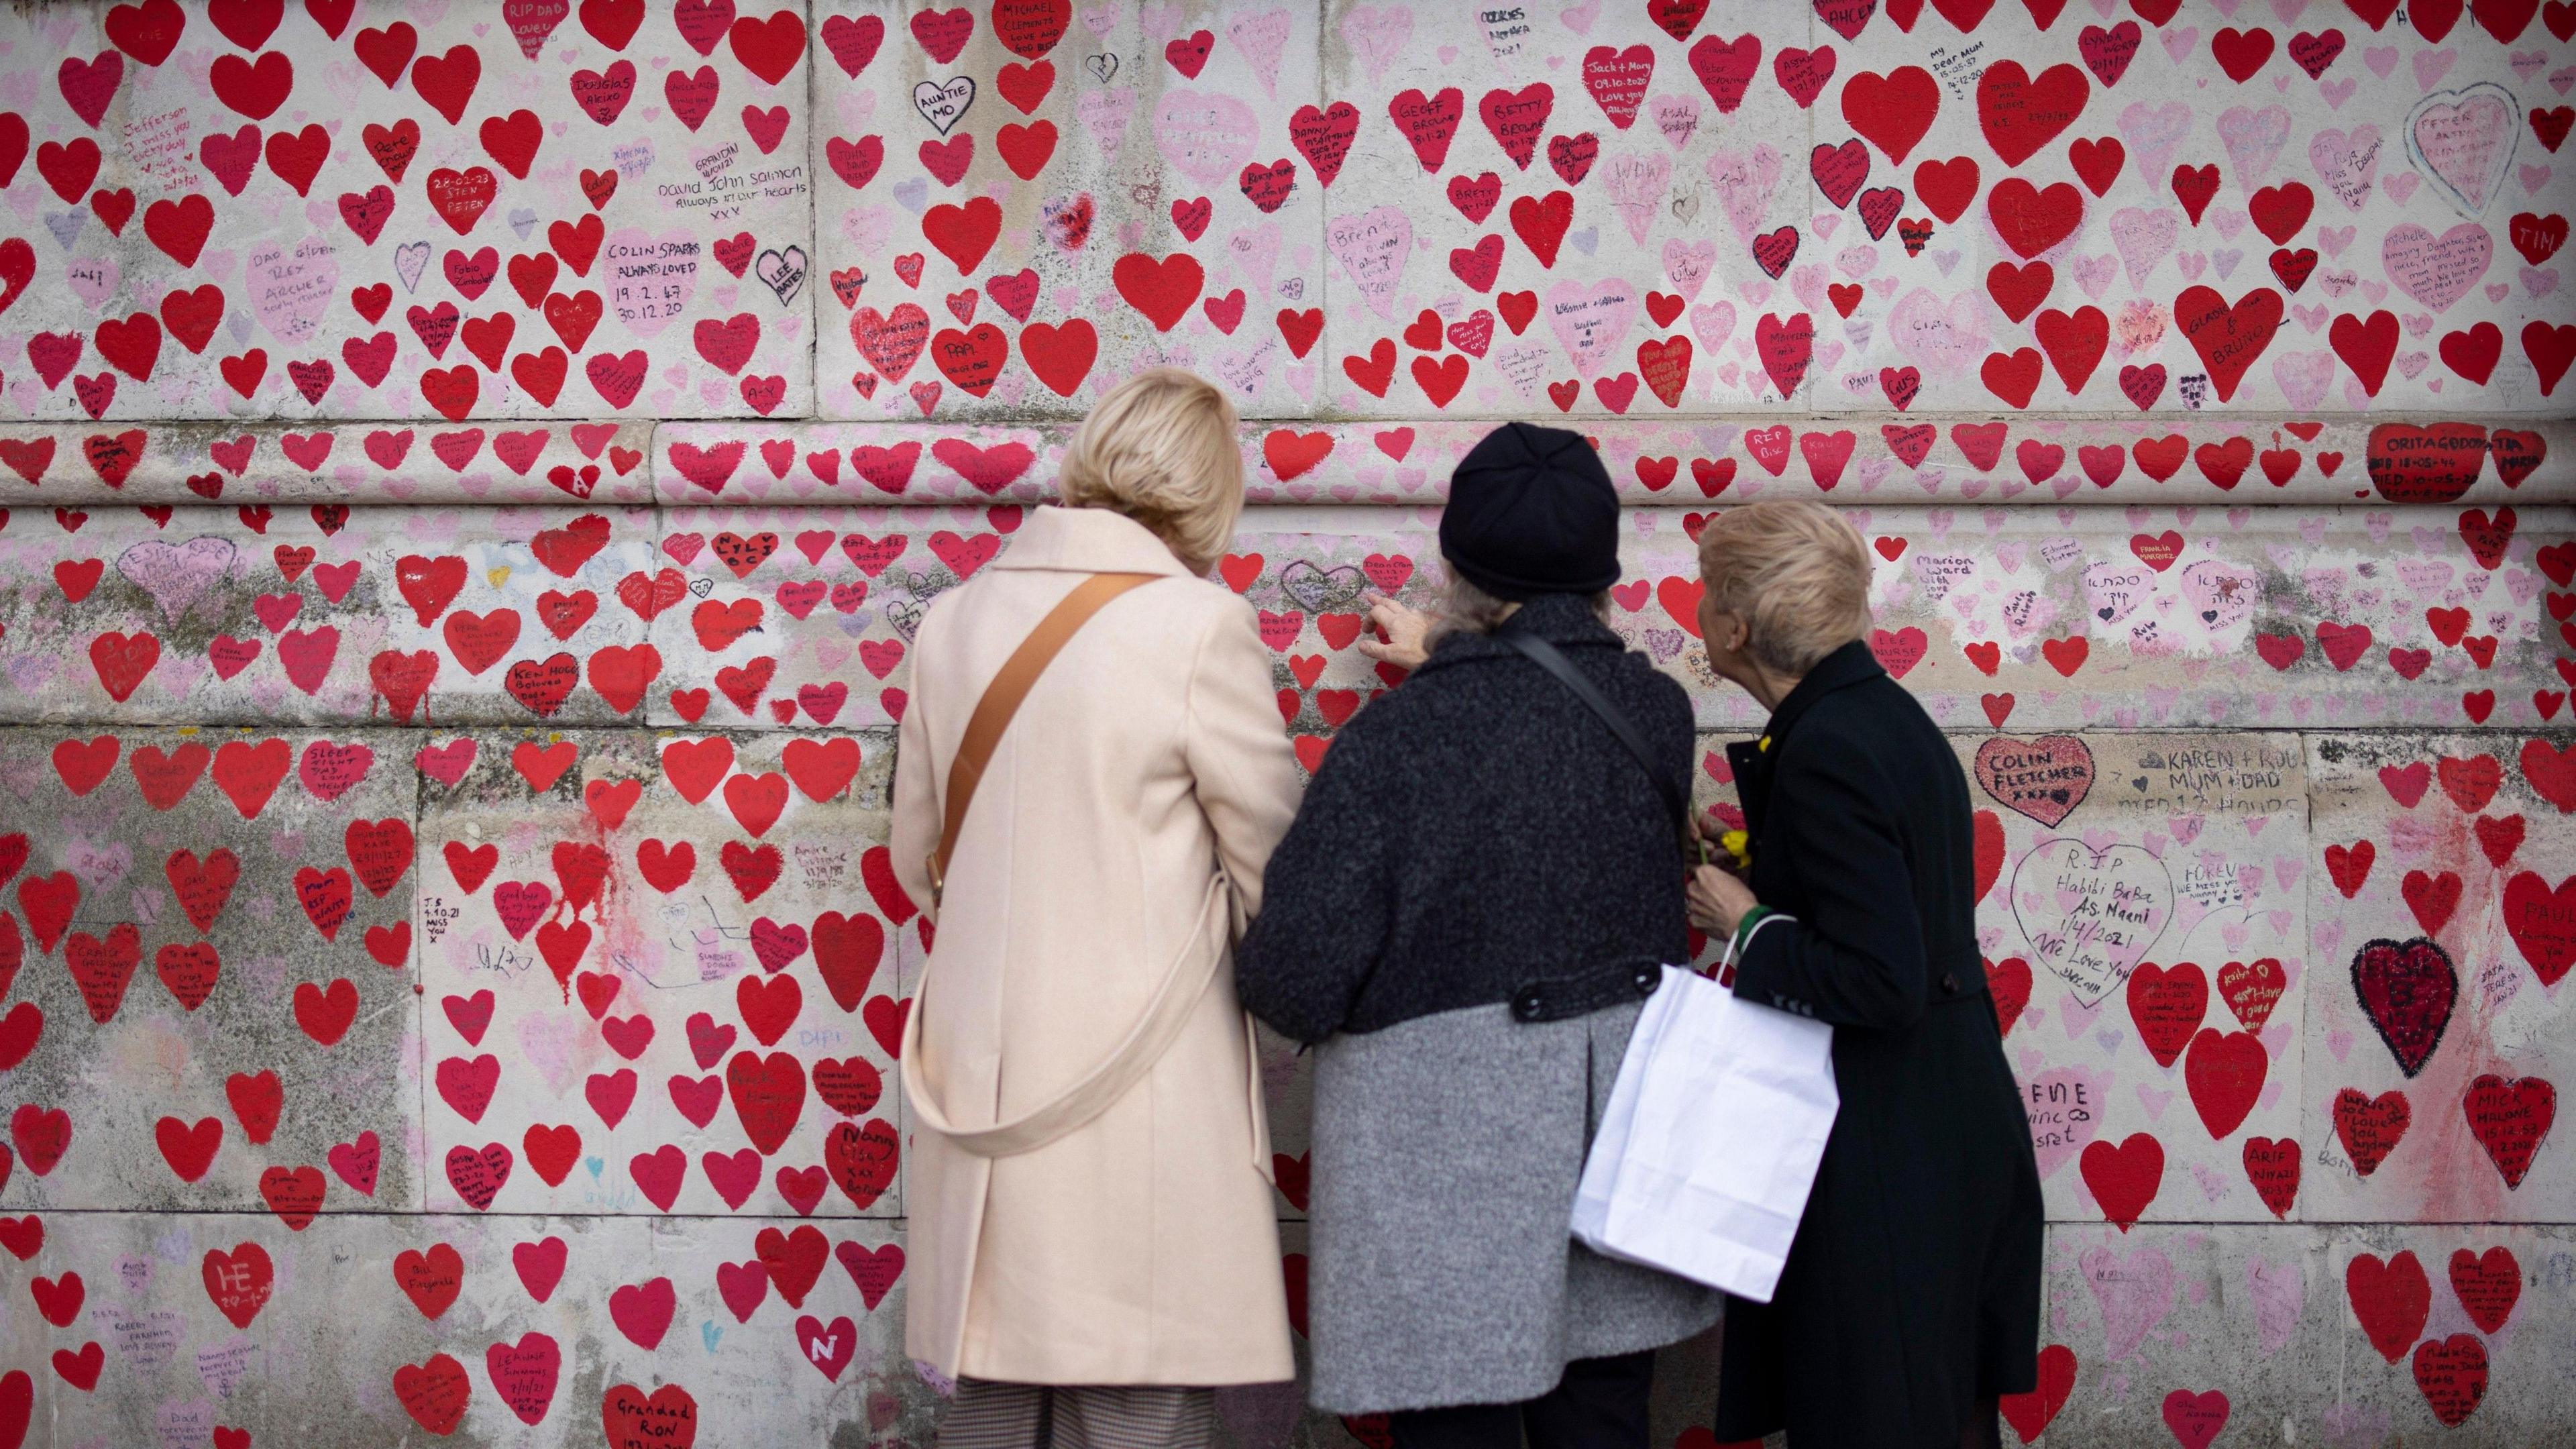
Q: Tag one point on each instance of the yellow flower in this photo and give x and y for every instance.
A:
(1734, 843)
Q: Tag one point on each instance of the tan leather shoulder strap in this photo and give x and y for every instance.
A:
(1002, 700)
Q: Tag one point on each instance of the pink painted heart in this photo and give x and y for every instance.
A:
(2463, 141)
(2135, 1292)
(2065, 1106)
(1944, 338)
(1591, 320)
(176, 575)
(2437, 271)
(1371, 248)
(1205, 136)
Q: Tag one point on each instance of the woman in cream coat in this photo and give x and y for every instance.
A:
(1093, 1243)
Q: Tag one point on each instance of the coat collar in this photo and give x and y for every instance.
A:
(1087, 540)
(1557, 618)
(1752, 759)
(1845, 667)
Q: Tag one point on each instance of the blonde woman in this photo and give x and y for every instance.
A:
(1092, 1245)
(1910, 1303)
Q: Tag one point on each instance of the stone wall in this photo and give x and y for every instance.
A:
(470, 473)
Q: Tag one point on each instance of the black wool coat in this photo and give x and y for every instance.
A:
(1912, 1291)
(1465, 920)
(1472, 832)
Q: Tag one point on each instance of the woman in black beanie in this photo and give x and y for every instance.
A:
(1478, 893)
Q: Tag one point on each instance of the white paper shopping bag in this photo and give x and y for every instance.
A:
(1724, 1130)
(1610, 1138)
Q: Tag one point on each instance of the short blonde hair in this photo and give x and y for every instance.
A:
(1795, 572)
(1160, 448)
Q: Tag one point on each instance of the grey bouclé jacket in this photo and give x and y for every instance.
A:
(1464, 920)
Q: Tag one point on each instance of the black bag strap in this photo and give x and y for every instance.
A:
(1552, 659)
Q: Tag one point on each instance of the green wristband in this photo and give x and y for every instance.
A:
(1744, 928)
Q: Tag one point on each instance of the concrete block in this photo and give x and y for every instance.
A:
(781, 616)
(208, 1003)
(657, 974)
(1037, 210)
(2143, 912)
(2357, 1338)
(451, 219)
(478, 1330)
(1534, 214)
(2028, 620)
(2255, 170)
(1680, 463)
(327, 615)
(2437, 1040)
(2254, 618)
(274, 465)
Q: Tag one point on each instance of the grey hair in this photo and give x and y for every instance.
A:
(1464, 608)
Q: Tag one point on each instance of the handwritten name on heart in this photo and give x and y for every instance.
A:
(2044, 778)
(2437, 270)
(2091, 915)
(944, 103)
(177, 575)
(2463, 142)
(1372, 248)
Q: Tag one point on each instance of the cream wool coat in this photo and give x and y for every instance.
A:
(1146, 769)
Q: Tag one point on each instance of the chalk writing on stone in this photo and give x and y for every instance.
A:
(2062, 1114)
(650, 282)
(2242, 777)
(1371, 248)
(226, 1366)
(1938, 573)
(291, 290)
(148, 1340)
(2213, 886)
(184, 1426)
(437, 917)
(718, 964)
(1959, 69)
(821, 866)
(1524, 368)
(163, 147)
(713, 165)
(780, 182)
(2043, 778)
(2091, 915)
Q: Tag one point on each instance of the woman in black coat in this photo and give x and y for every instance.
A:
(1465, 921)
(1910, 1302)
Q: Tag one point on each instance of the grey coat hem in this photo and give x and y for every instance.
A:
(1441, 1271)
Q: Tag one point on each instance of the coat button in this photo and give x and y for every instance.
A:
(1950, 982)
(1648, 978)
(1526, 1005)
